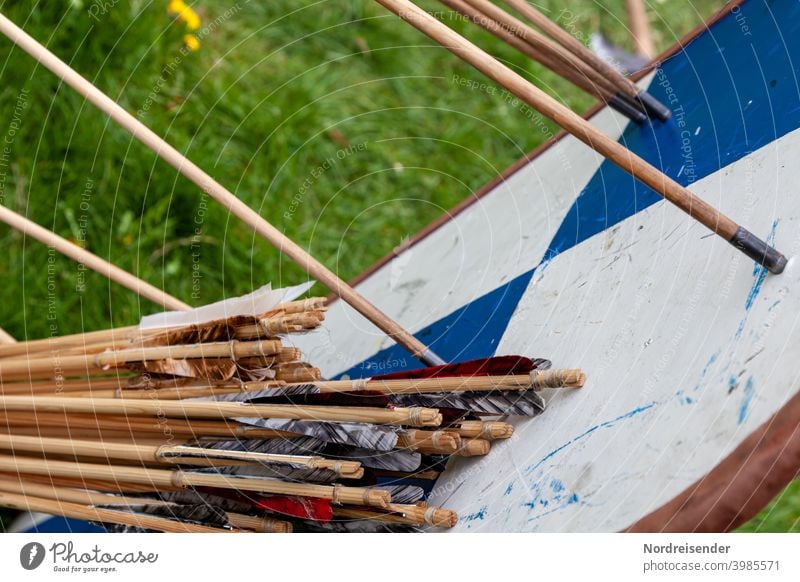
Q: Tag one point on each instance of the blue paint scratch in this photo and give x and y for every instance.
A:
(607, 424)
(478, 515)
(509, 489)
(749, 392)
(711, 361)
(558, 498)
(760, 272)
(685, 399)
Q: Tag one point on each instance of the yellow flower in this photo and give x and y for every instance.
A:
(191, 42)
(175, 6)
(191, 19)
(185, 14)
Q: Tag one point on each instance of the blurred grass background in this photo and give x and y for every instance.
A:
(274, 89)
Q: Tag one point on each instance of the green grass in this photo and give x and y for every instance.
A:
(781, 515)
(274, 91)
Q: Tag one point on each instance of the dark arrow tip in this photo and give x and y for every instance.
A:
(759, 251)
(653, 106)
(627, 109)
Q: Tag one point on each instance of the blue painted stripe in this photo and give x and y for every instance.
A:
(58, 524)
(472, 331)
(733, 90)
(737, 86)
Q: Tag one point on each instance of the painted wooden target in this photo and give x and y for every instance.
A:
(690, 348)
(689, 418)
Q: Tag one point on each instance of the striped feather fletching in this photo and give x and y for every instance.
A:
(366, 436)
(195, 497)
(527, 403)
(404, 461)
(277, 392)
(284, 471)
(201, 514)
(276, 446)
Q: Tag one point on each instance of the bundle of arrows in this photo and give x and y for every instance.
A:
(220, 426)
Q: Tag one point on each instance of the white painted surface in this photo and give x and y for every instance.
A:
(654, 309)
(499, 237)
(688, 349)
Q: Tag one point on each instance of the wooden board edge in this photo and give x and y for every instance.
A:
(741, 485)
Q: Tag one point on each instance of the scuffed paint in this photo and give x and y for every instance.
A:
(760, 272)
(710, 363)
(607, 424)
(749, 392)
(547, 500)
(509, 489)
(685, 398)
(479, 515)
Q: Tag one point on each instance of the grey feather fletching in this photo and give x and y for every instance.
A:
(404, 461)
(284, 471)
(246, 396)
(367, 436)
(192, 497)
(517, 403)
(404, 494)
(276, 446)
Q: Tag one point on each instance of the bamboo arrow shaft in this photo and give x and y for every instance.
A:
(181, 479)
(489, 430)
(525, 48)
(574, 45)
(259, 524)
(78, 511)
(116, 388)
(13, 484)
(221, 410)
(45, 445)
(556, 378)
(174, 454)
(69, 341)
(107, 427)
(640, 28)
(574, 72)
(214, 189)
(88, 363)
(541, 44)
(406, 514)
(681, 197)
(92, 261)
